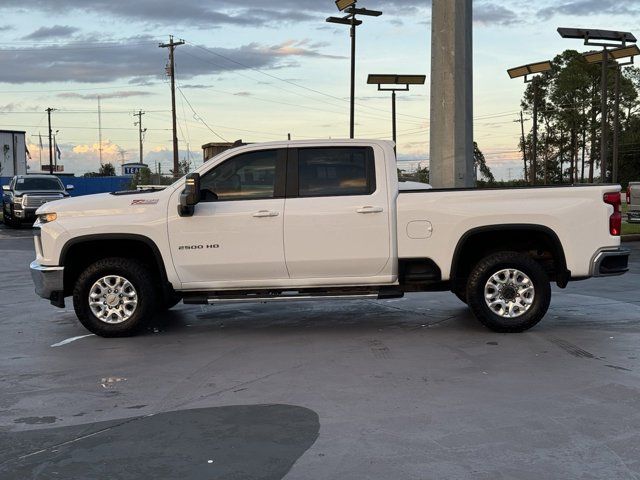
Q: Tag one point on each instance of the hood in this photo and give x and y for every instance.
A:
(19, 193)
(103, 204)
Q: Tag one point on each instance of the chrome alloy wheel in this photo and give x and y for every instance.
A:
(113, 299)
(509, 293)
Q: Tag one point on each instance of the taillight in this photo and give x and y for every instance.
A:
(628, 194)
(615, 220)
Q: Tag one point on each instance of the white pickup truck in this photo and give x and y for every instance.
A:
(303, 220)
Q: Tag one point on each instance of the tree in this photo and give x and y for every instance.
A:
(481, 164)
(141, 177)
(569, 117)
(184, 167)
(107, 170)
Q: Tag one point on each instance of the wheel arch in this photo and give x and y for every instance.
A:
(85, 249)
(522, 238)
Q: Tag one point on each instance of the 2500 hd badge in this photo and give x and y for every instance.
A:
(198, 247)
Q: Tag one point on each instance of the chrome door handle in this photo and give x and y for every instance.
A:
(370, 209)
(266, 213)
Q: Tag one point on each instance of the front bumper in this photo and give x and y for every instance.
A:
(25, 214)
(608, 262)
(49, 282)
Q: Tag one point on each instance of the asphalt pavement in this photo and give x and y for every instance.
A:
(413, 388)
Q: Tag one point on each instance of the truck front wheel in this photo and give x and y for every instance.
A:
(508, 292)
(115, 297)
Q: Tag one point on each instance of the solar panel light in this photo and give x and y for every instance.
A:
(344, 21)
(616, 54)
(588, 35)
(364, 11)
(343, 4)
(386, 79)
(530, 69)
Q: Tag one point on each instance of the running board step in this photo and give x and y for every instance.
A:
(211, 298)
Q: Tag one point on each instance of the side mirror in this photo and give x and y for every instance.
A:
(69, 187)
(190, 196)
(6, 188)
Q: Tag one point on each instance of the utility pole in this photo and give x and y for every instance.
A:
(524, 147)
(49, 110)
(100, 130)
(171, 71)
(140, 130)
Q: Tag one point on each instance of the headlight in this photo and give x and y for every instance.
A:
(17, 203)
(47, 217)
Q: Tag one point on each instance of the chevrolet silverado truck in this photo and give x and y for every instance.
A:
(25, 193)
(304, 220)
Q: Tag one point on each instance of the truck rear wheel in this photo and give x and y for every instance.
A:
(508, 292)
(115, 297)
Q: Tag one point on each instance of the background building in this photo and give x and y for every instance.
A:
(210, 150)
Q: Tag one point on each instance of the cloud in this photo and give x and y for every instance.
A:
(491, 14)
(6, 28)
(10, 107)
(295, 48)
(95, 96)
(211, 14)
(582, 8)
(194, 86)
(139, 59)
(56, 31)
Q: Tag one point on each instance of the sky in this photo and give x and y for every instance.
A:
(259, 70)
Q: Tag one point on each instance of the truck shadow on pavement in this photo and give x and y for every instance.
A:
(240, 441)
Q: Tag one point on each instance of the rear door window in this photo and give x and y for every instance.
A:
(334, 171)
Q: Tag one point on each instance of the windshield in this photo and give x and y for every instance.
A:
(38, 183)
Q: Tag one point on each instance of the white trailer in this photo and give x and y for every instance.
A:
(13, 153)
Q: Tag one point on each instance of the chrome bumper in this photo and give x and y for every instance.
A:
(49, 282)
(610, 261)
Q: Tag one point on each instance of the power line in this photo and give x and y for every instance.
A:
(199, 118)
(318, 92)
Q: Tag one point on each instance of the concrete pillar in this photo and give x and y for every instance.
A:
(451, 151)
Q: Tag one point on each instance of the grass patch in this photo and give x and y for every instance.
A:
(630, 228)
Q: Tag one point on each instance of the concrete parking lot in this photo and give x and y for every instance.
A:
(400, 389)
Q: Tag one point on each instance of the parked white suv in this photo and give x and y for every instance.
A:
(304, 220)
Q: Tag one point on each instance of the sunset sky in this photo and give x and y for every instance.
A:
(257, 70)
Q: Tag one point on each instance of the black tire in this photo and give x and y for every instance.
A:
(493, 264)
(142, 280)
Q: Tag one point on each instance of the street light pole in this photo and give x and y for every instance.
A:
(349, 7)
(352, 107)
(525, 71)
(393, 119)
(395, 80)
(534, 146)
(49, 110)
(616, 126)
(603, 119)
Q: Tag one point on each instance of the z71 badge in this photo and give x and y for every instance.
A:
(151, 201)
